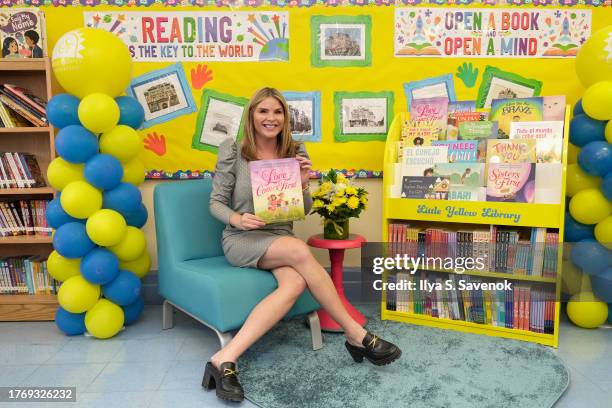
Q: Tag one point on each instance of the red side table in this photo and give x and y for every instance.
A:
(336, 249)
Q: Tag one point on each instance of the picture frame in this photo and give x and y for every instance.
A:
(305, 115)
(341, 41)
(220, 117)
(440, 86)
(164, 94)
(499, 84)
(362, 116)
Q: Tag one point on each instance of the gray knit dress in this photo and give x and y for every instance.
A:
(231, 192)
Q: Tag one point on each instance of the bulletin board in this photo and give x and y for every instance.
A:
(278, 43)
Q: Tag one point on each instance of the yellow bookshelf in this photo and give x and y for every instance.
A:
(471, 212)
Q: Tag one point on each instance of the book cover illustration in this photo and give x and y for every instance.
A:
(548, 136)
(513, 182)
(22, 33)
(460, 151)
(420, 161)
(461, 174)
(481, 131)
(505, 111)
(457, 117)
(554, 107)
(420, 133)
(511, 151)
(433, 111)
(432, 188)
(277, 190)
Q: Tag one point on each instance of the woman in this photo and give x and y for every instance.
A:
(249, 242)
(10, 48)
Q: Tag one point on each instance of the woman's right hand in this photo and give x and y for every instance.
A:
(247, 221)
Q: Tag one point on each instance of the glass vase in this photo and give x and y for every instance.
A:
(337, 230)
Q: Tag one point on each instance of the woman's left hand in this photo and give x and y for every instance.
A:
(305, 166)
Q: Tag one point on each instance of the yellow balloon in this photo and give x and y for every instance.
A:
(589, 206)
(609, 132)
(104, 319)
(89, 60)
(106, 227)
(140, 266)
(578, 180)
(80, 199)
(574, 280)
(587, 311)
(597, 100)
(603, 232)
(122, 142)
(593, 62)
(133, 172)
(60, 173)
(572, 153)
(77, 295)
(131, 246)
(62, 268)
(99, 112)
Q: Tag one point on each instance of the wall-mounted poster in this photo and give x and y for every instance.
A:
(341, 41)
(305, 115)
(498, 84)
(164, 94)
(441, 86)
(219, 118)
(362, 116)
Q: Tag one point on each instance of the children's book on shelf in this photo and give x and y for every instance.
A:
(20, 170)
(432, 111)
(547, 134)
(277, 190)
(554, 108)
(514, 182)
(466, 180)
(420, 161)
(24, 217)
(480, 131)
(419, 133)
(506, 111)
(460, 151)
(455, 119)
(22, 33)
(511, 151)
(26, 275)
(433, 188)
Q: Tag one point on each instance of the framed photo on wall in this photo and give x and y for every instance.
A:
(362, 116)
(219, 118)
(305, 115)
(498, 84)
(441, 86)
(164, 94)
(341, 41)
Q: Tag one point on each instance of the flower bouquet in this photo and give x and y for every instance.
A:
(337, 200)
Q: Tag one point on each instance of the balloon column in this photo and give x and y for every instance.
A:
(99, 249)
(589, 184)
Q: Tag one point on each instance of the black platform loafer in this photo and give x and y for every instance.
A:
(224, 381)
(376, 350)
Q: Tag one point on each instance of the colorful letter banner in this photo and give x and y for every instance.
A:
(198, 36)
(490, 33)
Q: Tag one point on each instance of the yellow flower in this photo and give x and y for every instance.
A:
(339, 201)
(325, 187)
(330, 208)
(317, 204)
(364, 199)
(340, 178)
(351, 190)
(340, 192)
(353, 203)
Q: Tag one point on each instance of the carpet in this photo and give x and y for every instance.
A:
(438, 368)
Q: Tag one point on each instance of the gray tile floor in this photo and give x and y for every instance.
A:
(145, 366)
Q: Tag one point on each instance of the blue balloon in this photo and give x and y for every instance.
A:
(125, 198)
(606, 186)
(71, 240)
(578, 108)
(590, 256)
(596, 158)
(602, 285)
(124, 289)
(56, 216)
(103, 171)
(576, 231)
(133, 311)
(131, 112)
(137, 218)
(76, 144)
(71, 324)
(63, 110)
(100, 266)
(584, 130)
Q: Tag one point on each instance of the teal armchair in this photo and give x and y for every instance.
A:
(194, 275)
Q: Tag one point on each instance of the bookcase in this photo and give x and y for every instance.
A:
(35, 75)
(473, 213)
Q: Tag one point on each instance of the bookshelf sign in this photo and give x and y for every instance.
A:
(198, 36)
(490, 33)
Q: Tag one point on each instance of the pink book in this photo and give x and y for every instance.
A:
(277, 190)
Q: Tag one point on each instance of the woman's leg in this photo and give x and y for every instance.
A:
(265, 315)
(295, 253)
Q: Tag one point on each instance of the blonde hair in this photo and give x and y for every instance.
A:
(285, 145)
